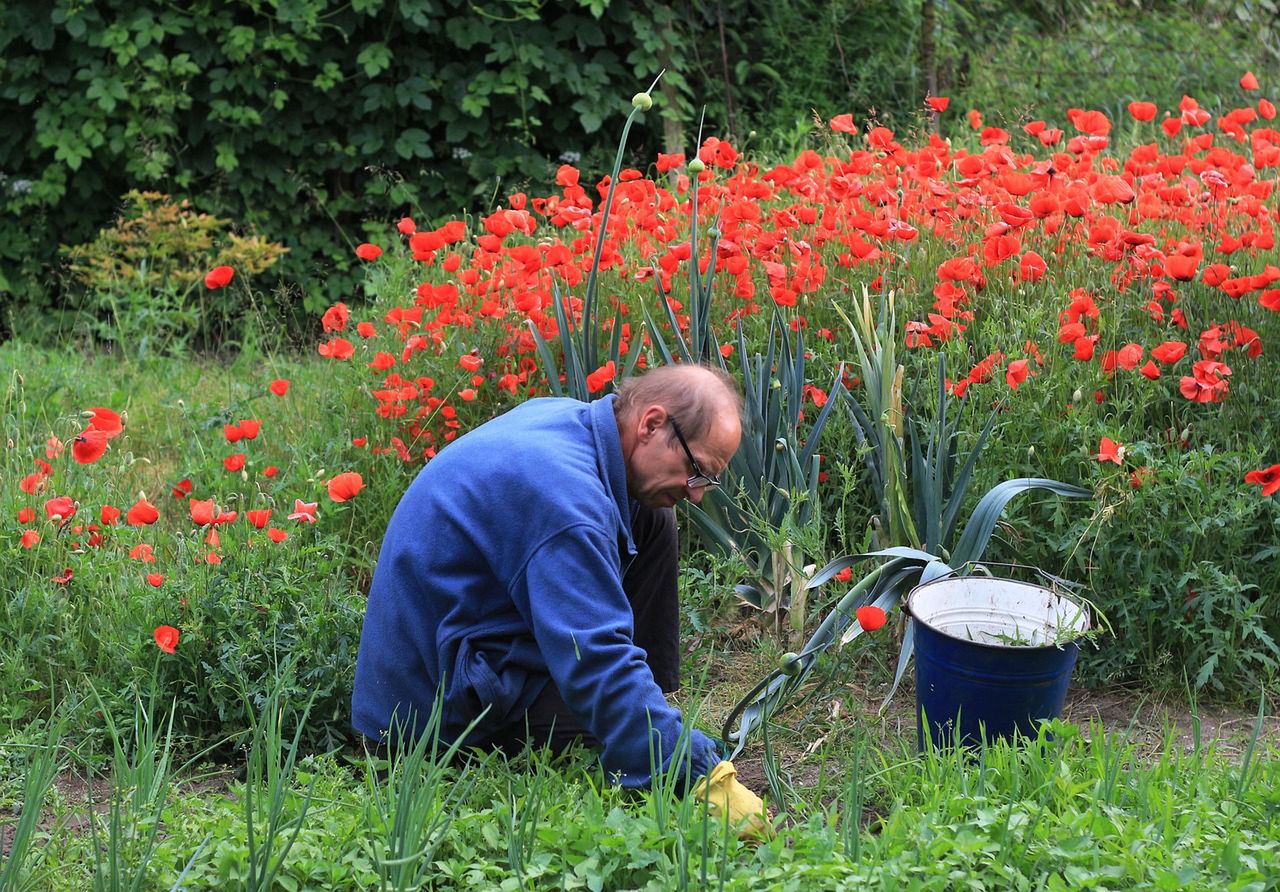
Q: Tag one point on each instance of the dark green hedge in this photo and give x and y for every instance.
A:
(302, 118)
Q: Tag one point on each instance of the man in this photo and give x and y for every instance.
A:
(529, 573)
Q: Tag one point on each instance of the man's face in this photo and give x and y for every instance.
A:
(659, 468)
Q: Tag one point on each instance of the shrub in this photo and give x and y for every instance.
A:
(143, 275)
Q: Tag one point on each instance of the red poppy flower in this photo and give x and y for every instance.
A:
(60, 508)
(601, 377)
(270, 471)
(29, 538)
(1248, 81)
(203, 512)
(937, 103)
(166, 638)
(232, 432)
(142, 552)
(407, 226)
(1143, 111)
(305, 511)
(89, 446)
(280, 386)
(669, 162)
(1016, 373)
(1268, 478)
(27, 514)
(366, 329)
(107, 421)
(345, 486)
(277, 535)
(142, 513)
(258, 517)
(1110, 450)
(32, 484)
(64, 577)
(844, 124)
(182, 489)
(337, 348)
(870, 617)
(1181, 268)
(219, 277)
(470, 362)
(367, 251)
(336, 318)
(1150, 371)
(234, 462)
(1169, 352)
(155, 580)
(1031, 267)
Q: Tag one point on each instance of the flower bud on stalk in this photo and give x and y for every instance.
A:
(642, 101)
(697, 165)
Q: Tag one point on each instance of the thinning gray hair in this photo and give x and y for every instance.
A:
(692, 394)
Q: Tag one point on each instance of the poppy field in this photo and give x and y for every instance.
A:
(186, 541)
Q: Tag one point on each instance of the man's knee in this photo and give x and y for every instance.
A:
(654, 531)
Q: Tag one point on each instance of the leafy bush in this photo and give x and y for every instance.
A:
(307, 118)
(143, 276)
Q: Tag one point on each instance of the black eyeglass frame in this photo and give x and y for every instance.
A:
(700, 477)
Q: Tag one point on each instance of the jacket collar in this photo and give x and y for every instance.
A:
(604, 426)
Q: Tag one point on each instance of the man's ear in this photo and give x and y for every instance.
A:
(652, 420)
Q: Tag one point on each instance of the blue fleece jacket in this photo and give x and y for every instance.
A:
(502, 567)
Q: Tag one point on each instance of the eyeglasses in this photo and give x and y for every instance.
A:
(700, 477)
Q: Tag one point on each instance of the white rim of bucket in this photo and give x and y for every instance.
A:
(1058, 613)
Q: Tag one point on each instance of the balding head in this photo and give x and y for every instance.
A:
(707, 407)
(695, 394)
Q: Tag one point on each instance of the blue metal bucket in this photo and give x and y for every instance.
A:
(993, 657)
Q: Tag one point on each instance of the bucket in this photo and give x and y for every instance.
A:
(993, 657)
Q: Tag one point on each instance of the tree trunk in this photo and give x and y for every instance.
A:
(928, 54)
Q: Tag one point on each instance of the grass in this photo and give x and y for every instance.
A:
(1076, 808)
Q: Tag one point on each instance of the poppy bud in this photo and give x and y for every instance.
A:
(642, 101)
(697, 166)
(1077, 396)
(789, 664)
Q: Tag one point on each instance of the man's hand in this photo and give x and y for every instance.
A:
(724, 795)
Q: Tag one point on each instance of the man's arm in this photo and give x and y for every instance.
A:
(571, 595)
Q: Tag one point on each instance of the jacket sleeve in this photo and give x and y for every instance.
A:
(572, 598)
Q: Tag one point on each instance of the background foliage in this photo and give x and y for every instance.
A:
(308, 120)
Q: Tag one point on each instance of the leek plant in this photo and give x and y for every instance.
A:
(769, 499)
(18, 865)
(415, 804)
(921, 485)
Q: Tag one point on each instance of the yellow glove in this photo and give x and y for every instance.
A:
(724, 795)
